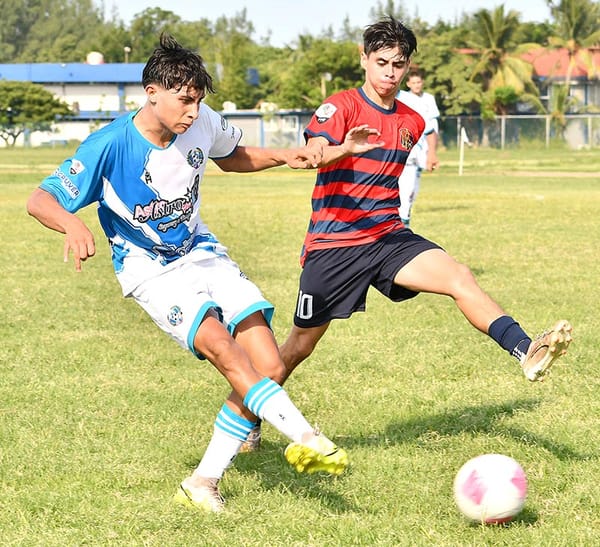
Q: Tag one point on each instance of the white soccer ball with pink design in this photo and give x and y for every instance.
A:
(490, 488)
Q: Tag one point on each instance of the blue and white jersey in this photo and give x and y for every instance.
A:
(148, 197)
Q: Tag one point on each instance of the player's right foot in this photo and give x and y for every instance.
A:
(317, 454)
(202, 494)
(252, 442)
(546, 349)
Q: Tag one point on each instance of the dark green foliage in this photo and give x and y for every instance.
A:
(294, 76)
(27, 107)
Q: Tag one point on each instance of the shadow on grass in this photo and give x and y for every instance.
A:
(274, 473)
(270, 467)
(484, 419)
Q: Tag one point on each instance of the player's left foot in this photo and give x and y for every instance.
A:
(203, 495)
(252, 442)
(317, 454)
(546, 349)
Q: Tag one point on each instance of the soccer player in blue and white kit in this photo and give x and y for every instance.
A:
(144, 172)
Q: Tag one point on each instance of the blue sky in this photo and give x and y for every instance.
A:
(286, 19)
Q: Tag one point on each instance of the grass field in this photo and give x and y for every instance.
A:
(101, 415)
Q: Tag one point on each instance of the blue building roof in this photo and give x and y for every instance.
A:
(73, 73)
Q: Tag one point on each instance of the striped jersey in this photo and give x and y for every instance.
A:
(355, 200)
(148, 197)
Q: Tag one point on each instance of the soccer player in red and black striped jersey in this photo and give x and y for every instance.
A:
(356, 239)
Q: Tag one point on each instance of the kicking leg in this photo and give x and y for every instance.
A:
(434, 271)
(254, 395)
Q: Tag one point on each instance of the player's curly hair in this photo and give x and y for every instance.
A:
(389, 33)
(172, 66)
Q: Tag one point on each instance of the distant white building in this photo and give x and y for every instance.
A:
(97, 93)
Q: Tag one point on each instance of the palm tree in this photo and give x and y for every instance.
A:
(494, 35)
(505, 77)
(577, 28)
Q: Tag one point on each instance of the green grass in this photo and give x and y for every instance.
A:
(101, 415)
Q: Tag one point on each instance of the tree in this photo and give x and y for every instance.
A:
(382, 9)
(447, 75)
(25, 106)
(230, 57)
(493, 37)
(146, 28)
(317, 65)
(57, 30)
(577, 27)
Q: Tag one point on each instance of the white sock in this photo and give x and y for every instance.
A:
(271, 403)
(229, 433)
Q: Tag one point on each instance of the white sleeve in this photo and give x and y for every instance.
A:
(226, 136)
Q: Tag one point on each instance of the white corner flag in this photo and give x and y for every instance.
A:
(464, 139)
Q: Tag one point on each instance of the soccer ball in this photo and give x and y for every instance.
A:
(490, 488)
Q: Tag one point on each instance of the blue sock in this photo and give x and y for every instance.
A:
(509, 335)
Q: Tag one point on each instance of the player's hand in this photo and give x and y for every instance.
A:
(432, 163)
(79, 240)
(357, 140)
(305, 157)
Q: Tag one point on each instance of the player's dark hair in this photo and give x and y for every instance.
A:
(173, 66)
(415, 71)
(389, 33)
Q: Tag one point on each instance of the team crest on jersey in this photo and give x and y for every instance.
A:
(76, 167)
(407, 140)
(175, 316)
(195, 158)
(324, 112)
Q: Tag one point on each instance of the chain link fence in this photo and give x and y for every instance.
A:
(579, 131)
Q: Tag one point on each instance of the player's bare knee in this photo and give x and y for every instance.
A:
(464, 280)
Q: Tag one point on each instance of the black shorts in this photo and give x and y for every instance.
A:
(334, 282)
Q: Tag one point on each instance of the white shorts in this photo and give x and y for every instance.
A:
(178, 299)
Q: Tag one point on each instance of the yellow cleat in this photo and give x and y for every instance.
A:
(317, 454)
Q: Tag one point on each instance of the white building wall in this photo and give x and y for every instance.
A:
(101, 98)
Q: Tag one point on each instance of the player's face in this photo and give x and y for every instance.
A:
(175, 109)
(384, 71)
(415, 84)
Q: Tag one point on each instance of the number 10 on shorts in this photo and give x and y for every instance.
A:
(304, 308)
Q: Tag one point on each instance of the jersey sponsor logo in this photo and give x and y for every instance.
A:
(304, 306)
(170, 251)
(147, 177)
(407, 140)
(67, 184)
(223, 123)
(195, 157)
(175, 316)
(76, 167)
(324, 112)
(157, 209)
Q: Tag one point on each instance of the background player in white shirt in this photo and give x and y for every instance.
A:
(144, 172)
(424, 153)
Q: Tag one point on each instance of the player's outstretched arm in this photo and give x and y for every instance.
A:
(246, 159)
(358, 140)
(78, 238)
